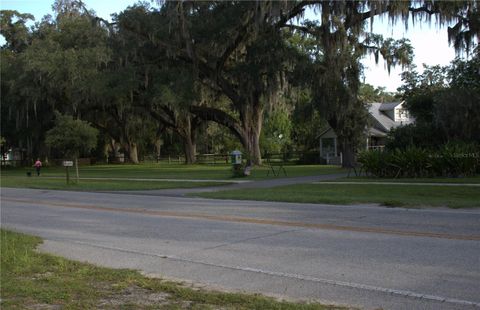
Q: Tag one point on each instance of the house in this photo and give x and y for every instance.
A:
(13, 157)
(383, 117)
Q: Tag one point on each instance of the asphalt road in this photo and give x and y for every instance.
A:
(365, 256)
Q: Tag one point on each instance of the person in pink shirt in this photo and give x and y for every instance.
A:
(38, 165)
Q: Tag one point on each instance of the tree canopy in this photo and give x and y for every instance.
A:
(71, 136)
(170, 69)
(445, 102)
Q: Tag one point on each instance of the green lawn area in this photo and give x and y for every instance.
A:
(388, 195)
(16, 177)
(472, 180)
(43, 182)
(32, 280)
(181, 171)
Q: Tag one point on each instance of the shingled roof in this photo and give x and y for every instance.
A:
(381, 120)
(387, 106)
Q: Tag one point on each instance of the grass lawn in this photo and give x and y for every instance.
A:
(471, 180)
(43, 182)
(175, 171)
(16, 177)
(31, 280)
(388, 195)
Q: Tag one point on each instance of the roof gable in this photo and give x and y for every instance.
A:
(388, 106)
(378, 111)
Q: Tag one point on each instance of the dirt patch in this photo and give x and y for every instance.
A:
(45, 307)
(134, 295)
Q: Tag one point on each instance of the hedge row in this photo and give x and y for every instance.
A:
(450, 160)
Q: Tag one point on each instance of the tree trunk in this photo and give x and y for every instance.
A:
(133, 152)
(251, 123)
(158, 148)
(348, 154)
(189, 136)
(347, 140)
(251, 142)
(190, 148)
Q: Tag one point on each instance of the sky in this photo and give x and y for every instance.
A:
(430, 45)
(430, 42)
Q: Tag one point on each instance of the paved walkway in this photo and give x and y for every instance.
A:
(179, 192)
(245, 184)
(160, 180)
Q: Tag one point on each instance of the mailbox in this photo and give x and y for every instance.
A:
(236, 157)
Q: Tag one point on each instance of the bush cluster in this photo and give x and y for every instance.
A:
(449, 160)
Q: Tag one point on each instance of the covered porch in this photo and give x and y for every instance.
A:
(330, 150)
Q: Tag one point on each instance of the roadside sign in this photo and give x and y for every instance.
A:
(66, 164)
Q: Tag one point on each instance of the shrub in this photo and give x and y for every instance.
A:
(450, 160)
(403, 137)
(375, 162)
(311, 158)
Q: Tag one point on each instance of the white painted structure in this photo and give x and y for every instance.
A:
(383, 117)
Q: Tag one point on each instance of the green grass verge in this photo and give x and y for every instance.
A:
(174, 171)
(471, 180)
(16, 177)
(97, 185)
(32, 280)
(388, 195)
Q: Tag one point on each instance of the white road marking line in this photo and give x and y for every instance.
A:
(402, 293)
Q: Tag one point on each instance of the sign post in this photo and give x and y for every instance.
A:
(66, 164)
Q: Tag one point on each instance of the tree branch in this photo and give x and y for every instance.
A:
(161, 118)
(218, 116)
(302, 29)
(295, 11)
(241, 34)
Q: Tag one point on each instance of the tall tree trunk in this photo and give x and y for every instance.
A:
(348, 153)
(189, 136)
(190, 148)
(251, 142)
(158, 148)
(159, 141)
(133, 152)
(251, 123)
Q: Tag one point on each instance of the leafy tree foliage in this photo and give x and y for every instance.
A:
(169, 69)
(457, 108)
(71, 136)
(369, 93)
(13, 28)
(24, 119)
(308, 123)
(445, 102)
(418, 90)
(276, 136)
(245, 61)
